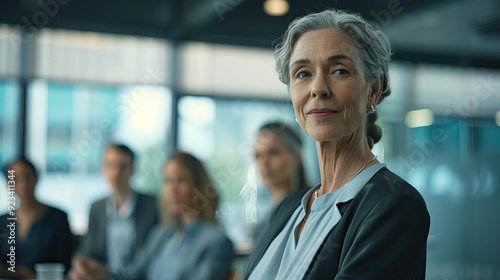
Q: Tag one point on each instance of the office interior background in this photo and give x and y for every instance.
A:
(198, 75)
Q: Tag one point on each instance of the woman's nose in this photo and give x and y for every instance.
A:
(171, 188)
(265, 160)
(319, 86)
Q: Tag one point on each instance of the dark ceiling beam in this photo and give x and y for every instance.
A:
(197, 14)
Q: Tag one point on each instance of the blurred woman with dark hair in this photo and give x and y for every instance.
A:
(278, 158)
(41, 232)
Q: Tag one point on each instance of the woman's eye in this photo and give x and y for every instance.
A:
(274, 152)
(341, 72)
(303, 74)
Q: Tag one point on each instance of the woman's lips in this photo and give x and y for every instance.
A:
(321, 112)
(174, 201)
(265, 174)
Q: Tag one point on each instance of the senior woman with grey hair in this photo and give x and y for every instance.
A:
(362, 221)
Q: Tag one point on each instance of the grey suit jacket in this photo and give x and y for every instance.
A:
(210, 256)
(94, 242)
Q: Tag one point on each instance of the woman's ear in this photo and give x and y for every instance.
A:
(377, 88)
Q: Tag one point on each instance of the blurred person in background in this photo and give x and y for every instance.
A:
(41, 234)
(362, 221)
(277, 151)
(189, 245)
(120, 223)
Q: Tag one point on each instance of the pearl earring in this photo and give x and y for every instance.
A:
(372, 110)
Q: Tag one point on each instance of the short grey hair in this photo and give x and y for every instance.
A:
(372, 44)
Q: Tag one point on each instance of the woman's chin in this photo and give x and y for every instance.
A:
(174, 210)
(22, 195)
(321, 137)
(268, 183)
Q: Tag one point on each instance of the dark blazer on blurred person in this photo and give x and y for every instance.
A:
(145, 217)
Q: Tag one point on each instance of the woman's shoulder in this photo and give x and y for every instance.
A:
(211, 228)
(213, 232)
(56, 212)
(389, 196)
(54, 218)
(386, 183)
(5, 221)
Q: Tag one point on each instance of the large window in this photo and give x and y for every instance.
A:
(453, 164)
(70, 126)
(9, 111)
(9, 141)
(485, 136)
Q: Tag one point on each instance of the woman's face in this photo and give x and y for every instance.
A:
(25, 180)
(179, 188)
(276, 164)
(327, 85)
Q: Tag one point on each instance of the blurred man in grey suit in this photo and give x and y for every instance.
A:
(120, 223)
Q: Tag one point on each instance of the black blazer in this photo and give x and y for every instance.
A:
(94, 242)
(382, 234)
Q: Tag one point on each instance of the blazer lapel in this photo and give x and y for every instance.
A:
(279, 218)
(101, 231)
(140, 229)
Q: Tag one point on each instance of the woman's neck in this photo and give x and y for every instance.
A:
(186, 217)
(280, 191)
(341, 160)
(277, 195)
(29, 205)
